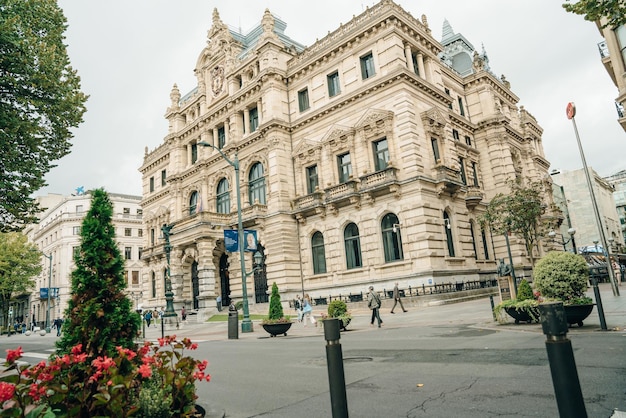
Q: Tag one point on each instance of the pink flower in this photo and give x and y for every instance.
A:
(13, 355)
(77, 349)
(103, 363)
(145, 370)
(7, 390)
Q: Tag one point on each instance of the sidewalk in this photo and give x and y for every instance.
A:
(476, 313)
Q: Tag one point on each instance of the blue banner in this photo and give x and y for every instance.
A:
(231, 240)
(43, 292)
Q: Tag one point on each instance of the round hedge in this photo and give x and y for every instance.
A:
(562, 276)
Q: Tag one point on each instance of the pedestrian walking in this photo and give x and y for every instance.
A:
(307, 310)
(297, 305)
(396, 298)
(373, 302)
(148, 318)
(183, 313)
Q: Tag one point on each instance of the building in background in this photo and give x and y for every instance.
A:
(57, 234)
(618, 181)
(613, 55)
(580, 209)
(366, 158)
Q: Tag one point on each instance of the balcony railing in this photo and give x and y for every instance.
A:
(604, 50)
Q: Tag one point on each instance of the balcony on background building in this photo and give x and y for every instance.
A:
(473, 197)
(448, 179)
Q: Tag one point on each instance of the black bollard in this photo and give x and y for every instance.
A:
(596, 293)
(233, 322)
(492, 308)
(162, 327)
(334, 360)
(569, 397)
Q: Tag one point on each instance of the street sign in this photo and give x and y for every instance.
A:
(570, 110)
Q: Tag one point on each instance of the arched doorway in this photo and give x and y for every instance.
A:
(260, 278)
(195, 284)
(224, 280)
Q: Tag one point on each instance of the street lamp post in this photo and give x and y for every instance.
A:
(246, 324)
(571, 232)
(169, 294)
(49, 257)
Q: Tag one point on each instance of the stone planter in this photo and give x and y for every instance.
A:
(277, 328)
(523, 314)
(575, 314)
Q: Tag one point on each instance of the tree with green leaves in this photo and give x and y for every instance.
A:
(40, 101)
(276, 308)
(519, 212)
(99, 315)
(593, 10)
(20, 263)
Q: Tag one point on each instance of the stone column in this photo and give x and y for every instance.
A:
(409, 58)
(420, 65)
(246, 120)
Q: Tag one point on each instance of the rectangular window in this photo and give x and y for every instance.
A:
(367, 66)
(163, 178)
(620, 35)
(221, 137)
(311, 179)
(345, 167)
(416, 68)
(128, 232)
(381, 154)
(139, 212)
(333, 84)
(448, 93)
(128, 251)
(76, 230)
(140, 232)
(475, 170)
(461, 110)
(462, 165)
(151, 184)
(194, 153)
(434, 143)
(254, 119)
(455, 134)
(135, 277)
(139, 252)
(303, 100)
(468, 140)
(126, 277)
(152, 236)
(126, 212)
(79, 209)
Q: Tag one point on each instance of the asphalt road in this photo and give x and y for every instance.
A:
(439, 361)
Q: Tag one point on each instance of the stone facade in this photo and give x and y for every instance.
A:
(57, 234)
(613, 55)
(365, 159)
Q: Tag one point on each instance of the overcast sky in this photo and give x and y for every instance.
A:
(130, 53)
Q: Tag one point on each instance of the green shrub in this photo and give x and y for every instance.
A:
(154, 401)
(524, 291)
(276, 308)
(337, 309)
(562, 276)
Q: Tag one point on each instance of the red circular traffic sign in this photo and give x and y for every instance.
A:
(571, 110)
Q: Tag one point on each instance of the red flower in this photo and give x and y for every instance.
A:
(103, 363)
(202, 366)
(145, 370)
(13, 355)
(7, 390)
(77, 349)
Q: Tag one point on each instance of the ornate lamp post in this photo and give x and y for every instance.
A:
(571, 232)
(49, 257)
(246, 324)
(169, 295)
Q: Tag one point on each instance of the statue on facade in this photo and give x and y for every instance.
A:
(503, 268)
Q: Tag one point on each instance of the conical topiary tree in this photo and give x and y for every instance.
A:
(99, 315)
(276, 308)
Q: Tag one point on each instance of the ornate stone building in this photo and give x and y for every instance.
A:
(613, 55)
(365, 159)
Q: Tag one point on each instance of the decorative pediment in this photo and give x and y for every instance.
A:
(434, 121)
(307, 148)
(375, 120)
(338, 135)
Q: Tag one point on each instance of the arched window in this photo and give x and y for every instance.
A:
(392, 239)
(193, 203)
(256, 184)
(447, 227)
(319, 253)
(353, 246)
(223, 197)
(153, 285)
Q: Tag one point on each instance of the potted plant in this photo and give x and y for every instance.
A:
(522, 309)
(338, 309)
(276, 323)
(563, 276)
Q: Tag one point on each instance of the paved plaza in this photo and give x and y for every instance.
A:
(450, 360)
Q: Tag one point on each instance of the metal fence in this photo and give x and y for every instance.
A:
(422, 290)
